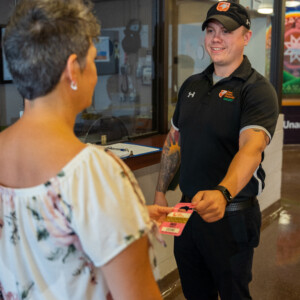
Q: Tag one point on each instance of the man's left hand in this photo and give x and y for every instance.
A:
(210, 205)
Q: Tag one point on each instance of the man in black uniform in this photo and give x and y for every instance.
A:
(224, 119)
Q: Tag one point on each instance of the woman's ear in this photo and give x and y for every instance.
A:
(72, 68)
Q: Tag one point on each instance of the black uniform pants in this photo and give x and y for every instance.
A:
(216, 258)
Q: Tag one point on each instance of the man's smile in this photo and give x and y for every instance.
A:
(217, 49)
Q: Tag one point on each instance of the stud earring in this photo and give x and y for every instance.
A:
(74, 86)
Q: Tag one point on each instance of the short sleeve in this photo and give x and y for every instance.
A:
(109, 211)
(260, 107)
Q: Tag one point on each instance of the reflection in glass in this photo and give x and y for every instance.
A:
(122, 106)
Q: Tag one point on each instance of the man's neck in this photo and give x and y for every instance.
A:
(216, 78)
(227, 70)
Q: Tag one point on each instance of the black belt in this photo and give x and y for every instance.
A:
(233, 206)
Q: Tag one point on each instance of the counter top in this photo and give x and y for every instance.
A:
(142, 161)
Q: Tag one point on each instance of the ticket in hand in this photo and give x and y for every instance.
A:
(176, 220)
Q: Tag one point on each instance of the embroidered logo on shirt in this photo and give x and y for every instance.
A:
(226, 95)
(222, 93)
(223, 6)
(191, 94)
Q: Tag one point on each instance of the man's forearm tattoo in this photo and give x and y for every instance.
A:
(170, 161)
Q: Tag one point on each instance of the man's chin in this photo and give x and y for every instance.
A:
(218, 61)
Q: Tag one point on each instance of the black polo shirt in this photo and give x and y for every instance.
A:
(210, 119)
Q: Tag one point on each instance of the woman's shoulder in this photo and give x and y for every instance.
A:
(95, 167)
(96, 163)
(92, 156)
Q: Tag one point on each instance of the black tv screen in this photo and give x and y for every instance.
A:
(5, 75)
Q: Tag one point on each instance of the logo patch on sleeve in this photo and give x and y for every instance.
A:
(226, 95)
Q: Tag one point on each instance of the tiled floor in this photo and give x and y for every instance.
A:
(276, 267)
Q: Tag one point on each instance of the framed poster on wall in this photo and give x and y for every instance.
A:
(291, 61)
(291, 76)
(107, 59)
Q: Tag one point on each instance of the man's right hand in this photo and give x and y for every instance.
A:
(210, 205)
(160, 199)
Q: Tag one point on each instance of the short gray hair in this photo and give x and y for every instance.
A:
(39, 38)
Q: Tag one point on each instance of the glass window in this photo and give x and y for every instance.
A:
(123, 105)
(11, 102)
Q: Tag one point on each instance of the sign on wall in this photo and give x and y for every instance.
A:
(291, 124)
(291, 77)
(291, 61)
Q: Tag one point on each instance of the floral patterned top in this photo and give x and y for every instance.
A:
(55, 237)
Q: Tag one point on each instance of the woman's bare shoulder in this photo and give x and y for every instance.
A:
(30, 158)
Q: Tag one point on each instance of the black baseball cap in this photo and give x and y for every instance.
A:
(230, 14)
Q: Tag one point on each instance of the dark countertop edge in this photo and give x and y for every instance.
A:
(142, 161)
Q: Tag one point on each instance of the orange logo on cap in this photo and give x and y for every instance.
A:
(223, 6)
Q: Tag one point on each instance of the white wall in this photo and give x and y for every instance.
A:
(256, 49)
(272, 164)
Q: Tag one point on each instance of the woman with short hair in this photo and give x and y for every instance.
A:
(73, 220)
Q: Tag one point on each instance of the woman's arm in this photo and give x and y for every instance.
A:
(129, 275)
(158, 213)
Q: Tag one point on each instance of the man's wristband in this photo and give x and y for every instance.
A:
(225, 193)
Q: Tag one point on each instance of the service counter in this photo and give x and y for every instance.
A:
(139, 162)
